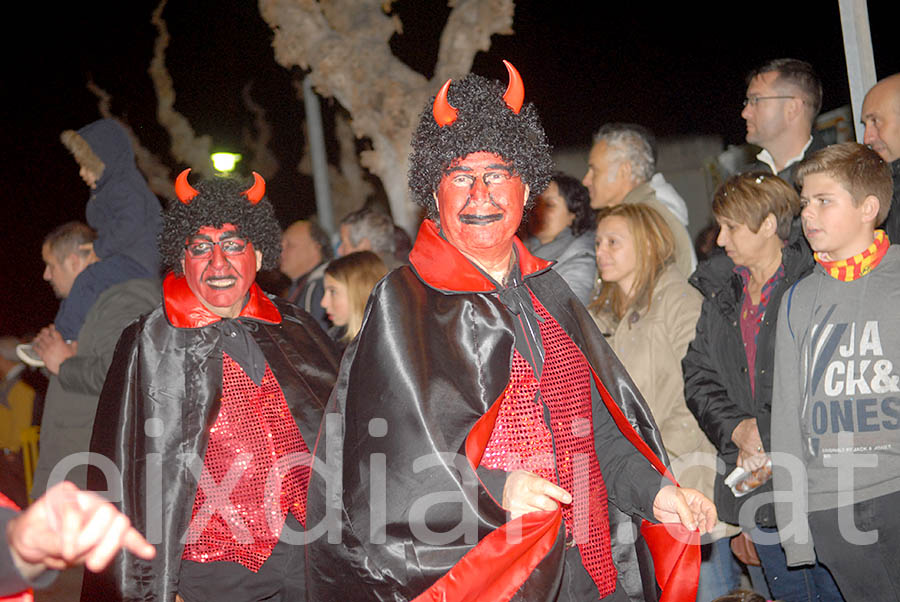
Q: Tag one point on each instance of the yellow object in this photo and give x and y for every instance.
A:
(15, 414)
(225, 162)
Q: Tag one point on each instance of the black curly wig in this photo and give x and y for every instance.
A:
(220, 202)
(484, 123)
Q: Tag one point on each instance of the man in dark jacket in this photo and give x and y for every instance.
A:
(783, 99)
(881, 116)
(210, 410)
(77, 372)
(476, 450)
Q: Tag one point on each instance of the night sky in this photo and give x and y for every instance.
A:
(678, 71)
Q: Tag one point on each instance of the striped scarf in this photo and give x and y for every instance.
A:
(860, 264)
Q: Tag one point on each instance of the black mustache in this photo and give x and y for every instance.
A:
(478, 220)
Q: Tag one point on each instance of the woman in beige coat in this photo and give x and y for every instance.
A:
(648, 312)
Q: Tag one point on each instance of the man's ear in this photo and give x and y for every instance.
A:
(436, 205)
(870, 207)
(73, 262)
(625, 171)
(796, 109)
(527, 193)
(258, 259)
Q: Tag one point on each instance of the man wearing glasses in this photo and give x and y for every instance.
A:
(210, 410)
(784, 97)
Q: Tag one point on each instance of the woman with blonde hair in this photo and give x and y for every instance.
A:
(649, 312)
(349, 281)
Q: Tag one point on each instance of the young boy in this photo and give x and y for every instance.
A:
(836, 398)
(122, 210)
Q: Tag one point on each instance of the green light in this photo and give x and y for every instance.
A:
(225, 162)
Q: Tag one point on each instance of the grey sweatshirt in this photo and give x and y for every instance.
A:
(836, 398)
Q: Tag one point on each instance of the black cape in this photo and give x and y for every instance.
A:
(174, 374)
(418, 384)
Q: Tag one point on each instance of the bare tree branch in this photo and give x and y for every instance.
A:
(159, 179)
(262, 159)
(469, 29)
(187, 147)
(345, 44)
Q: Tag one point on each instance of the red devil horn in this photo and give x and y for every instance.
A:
(515, 91)
(183, 190)
(256, 192)
(444, 114)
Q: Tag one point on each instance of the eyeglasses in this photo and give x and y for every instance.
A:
(752, 100)
(229, 246)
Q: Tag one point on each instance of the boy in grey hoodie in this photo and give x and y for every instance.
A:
(836, 398)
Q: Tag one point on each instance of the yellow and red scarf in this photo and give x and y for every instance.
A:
(860, 264)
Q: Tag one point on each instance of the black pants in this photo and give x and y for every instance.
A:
(282, 578)
(863, 572)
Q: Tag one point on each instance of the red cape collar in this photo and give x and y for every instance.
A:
(443, 267)
(184, 310)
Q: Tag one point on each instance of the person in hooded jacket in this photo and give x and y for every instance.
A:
(122, 210)
(729, 365)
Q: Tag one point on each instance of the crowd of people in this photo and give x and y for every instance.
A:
(545, 396)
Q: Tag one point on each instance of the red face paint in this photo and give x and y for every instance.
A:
(220, 267)
(480, 200)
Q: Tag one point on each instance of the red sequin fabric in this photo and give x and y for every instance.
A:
(237, 515)
(521, 440)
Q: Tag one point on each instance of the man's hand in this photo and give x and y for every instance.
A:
(67, 526)
(50, 345)
(526, 492)
(751, 454)
(686, 506)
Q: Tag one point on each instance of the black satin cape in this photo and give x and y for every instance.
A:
(422, 378)
(168, 366)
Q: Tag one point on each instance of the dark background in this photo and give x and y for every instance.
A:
(678, 70)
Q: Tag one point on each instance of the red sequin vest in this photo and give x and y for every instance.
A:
(235, 518)
(521, 440)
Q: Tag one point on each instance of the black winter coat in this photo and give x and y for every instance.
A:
(716, 382)
(891, 224)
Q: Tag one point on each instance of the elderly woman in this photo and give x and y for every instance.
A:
(728, 367)
(561, 227)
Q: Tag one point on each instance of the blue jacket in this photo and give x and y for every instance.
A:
(123, 211)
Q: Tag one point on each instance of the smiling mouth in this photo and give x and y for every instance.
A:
(221, 283)
(480, 220)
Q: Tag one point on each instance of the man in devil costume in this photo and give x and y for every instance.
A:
(483, 442)
(220, 387)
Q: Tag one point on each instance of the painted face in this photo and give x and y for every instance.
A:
(616, 257)
(551, 215)
(606, 179)
(220, 267)
(741, 244)
(336, 301)
(834, 227)
(881, 116)
(480, 200)
(765, 116)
